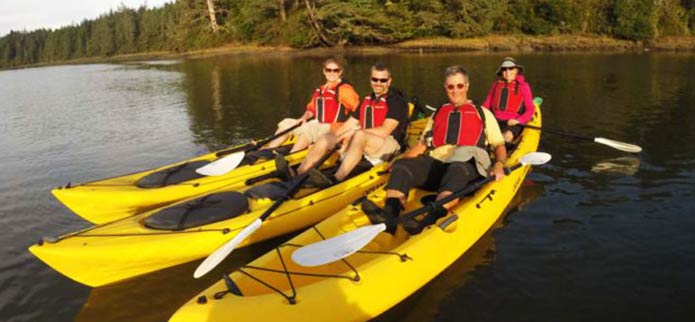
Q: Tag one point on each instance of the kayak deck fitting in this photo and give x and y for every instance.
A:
(115, 198)
(174, 235)
(369, 282)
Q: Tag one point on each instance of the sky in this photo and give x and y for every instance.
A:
(34, 14)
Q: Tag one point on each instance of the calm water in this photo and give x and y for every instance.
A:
(598, 235)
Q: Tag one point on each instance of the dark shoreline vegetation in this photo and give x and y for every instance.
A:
(201, 28)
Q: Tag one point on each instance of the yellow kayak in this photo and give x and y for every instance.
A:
(193, 228)
(367, 283)
(115, 198)
(119, 197)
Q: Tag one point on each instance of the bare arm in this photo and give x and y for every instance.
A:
(385, 129)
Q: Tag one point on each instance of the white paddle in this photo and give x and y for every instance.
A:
(218, 255)
(341, 246)
(230, 162)
(222, 165)
(618, 145)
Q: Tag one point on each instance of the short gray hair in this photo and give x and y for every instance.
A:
(456, 69)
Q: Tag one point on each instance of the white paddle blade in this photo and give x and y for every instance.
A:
(336, 248)
(535, 158)
(222, 166)
(622, 146)
(221, 253)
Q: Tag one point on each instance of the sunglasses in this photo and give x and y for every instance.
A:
(379, 80)
(452, 86)
(504, 69)
(332, 70)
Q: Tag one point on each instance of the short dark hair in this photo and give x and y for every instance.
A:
(380, 67)
(456, 69)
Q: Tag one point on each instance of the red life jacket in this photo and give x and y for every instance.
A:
(373, 111)
(507, 98)
(328, 106)
(461, 126)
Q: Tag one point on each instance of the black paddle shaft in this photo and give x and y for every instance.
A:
(252, 147)
(558, 132)
(431, 206)
(296, 184)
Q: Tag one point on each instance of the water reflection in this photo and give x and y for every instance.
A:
(627, 165)
(626, 226)
(156, 296)
(425, 305)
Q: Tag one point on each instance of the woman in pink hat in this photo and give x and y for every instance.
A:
(510, 99)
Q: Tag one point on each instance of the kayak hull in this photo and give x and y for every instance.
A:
(127, 248)
(112, 199)
(116, 198)
(369, 282)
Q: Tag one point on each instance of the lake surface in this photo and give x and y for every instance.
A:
(597, 235)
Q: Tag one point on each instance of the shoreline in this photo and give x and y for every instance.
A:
(487, 44)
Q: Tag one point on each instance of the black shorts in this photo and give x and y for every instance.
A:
(516, 129)
(431, 174)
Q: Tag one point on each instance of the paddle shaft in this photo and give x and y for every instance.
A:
(252, 147)
(295, 185)
(558, 132)
(455, 195)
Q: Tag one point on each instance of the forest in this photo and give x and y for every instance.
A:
(185, 25)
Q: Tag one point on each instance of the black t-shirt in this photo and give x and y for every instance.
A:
(397, 110)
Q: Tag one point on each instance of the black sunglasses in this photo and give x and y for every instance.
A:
(379, 80)
(507, 68)
(332, 70)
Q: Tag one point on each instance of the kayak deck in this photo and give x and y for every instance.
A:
(367, 283)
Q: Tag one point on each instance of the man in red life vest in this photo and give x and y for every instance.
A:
(451, 153)
(374, 130)
(330, 106)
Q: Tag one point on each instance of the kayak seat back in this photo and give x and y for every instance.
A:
(263, 155)
(272, 190)
(198, 212)
(172, 175)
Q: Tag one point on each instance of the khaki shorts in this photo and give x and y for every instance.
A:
(312, 129)
(386, 152)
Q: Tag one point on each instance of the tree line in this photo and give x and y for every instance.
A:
(196, 24)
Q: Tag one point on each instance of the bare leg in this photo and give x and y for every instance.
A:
(318, 150)
(277, 141)
(508, 136)
(445, 194)
(360, 144)
(353, 155)
(302, 143)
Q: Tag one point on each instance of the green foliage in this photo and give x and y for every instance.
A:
(544, 17)
(689, 7)
(473, 18)
(185, 24)
(365, 21)
(635, 19)
(671, 18)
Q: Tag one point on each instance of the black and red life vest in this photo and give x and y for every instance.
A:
(507, 98)
(328, 106)
(462, 126)
(373, 111)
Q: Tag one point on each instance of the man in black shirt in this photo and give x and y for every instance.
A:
(374, 130)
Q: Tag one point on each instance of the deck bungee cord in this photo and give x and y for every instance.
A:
(234, 289)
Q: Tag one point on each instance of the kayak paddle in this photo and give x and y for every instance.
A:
(341, 246)
(622, 146)
(236, 155)
(218, 255)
